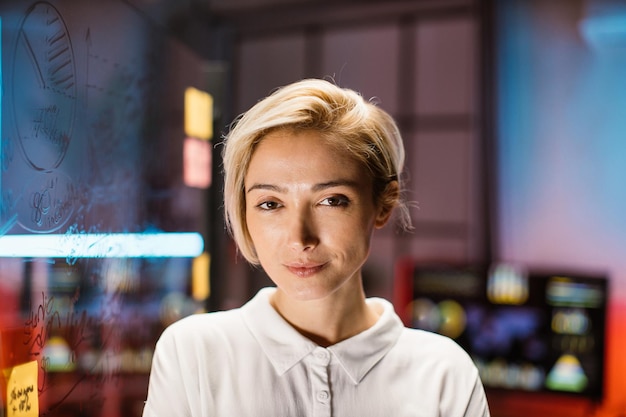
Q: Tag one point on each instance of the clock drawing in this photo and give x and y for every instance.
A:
(44, 90)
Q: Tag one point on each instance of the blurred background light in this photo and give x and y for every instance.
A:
(604, 25)
(102, 245)
(198, 114)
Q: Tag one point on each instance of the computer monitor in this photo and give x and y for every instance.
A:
(536, 331)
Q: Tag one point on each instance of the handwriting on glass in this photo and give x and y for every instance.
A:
(49, 206)
(82, 333)
(40, 323)
(48, 202)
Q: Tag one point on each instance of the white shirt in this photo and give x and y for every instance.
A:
(251, 362)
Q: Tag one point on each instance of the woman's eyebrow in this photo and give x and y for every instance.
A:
(336, 183)
(317, 187)
(270, 187)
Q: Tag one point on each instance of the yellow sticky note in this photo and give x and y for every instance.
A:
(22, 391)
(198, 114)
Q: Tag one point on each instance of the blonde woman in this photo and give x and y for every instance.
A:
(310, 172)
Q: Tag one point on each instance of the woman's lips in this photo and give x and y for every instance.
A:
(304, 271)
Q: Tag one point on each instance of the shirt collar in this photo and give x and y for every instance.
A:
(285, 347)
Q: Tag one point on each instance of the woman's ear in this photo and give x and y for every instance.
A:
(386, 203)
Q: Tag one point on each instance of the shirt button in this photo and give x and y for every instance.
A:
(323, 396)
(322, 355)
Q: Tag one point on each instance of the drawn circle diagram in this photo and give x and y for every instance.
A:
(44, 87)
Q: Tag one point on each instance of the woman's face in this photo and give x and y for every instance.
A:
(310, 213)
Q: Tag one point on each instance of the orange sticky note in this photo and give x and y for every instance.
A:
(22, 391)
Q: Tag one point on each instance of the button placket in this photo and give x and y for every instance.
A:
(321, 393)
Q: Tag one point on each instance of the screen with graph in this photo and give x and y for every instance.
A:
(525, 330)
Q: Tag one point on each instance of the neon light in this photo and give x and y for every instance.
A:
(1, 95)
(103, 245)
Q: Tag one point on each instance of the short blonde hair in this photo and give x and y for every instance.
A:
(341, 115)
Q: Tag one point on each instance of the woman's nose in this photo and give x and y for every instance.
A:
(302, 230)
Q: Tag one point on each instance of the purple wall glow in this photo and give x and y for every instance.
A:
(562, 137)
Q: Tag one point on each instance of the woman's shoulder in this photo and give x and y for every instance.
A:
(432, 345)
(196, 327)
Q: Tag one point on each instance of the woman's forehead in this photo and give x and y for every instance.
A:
(302, 155)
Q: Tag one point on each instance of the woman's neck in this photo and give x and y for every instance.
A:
(329, 320)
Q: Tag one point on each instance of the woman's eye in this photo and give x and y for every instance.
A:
(268, 205)
(336, 201)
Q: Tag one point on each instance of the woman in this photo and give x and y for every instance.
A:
(310, 172)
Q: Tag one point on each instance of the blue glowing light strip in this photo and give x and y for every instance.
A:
(103, 245)
(1, 96)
